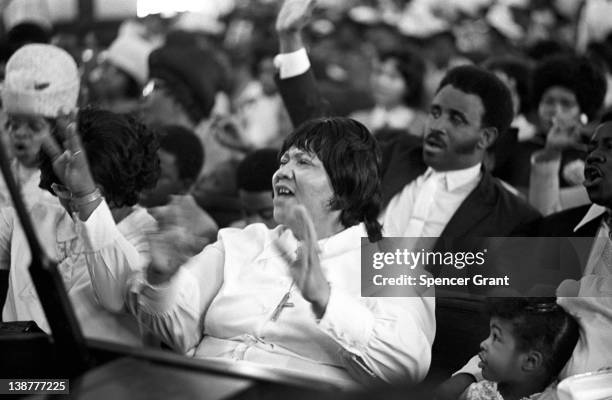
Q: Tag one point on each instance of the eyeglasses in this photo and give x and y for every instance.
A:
(152, 85)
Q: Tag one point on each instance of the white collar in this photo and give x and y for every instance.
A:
(456, 178)
(594, 212)
(341, 242)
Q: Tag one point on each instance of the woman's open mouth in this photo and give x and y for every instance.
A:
(281, 190)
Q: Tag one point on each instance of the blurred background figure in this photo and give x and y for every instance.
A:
(41, 79)
(396, 84)
(116, 83)
(515, 72)
(254, 177)
(24, 21)
(181, 157)
(567, 92)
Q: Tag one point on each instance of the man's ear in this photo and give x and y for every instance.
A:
(488, 136)
(532, 361)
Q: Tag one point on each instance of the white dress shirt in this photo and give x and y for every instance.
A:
(220, 305)
(426, 205)
(599, 261)
(88, 253)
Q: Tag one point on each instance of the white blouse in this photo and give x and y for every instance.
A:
(90, 255)
(220, 304)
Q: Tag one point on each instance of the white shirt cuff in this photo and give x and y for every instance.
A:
(471, 368)
(347, 321)
(99, 230)
(292, 64)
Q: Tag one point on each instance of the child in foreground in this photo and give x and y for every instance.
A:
(530, 341)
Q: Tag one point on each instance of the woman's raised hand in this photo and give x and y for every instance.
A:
(306, 269)
(564, 134)
(68, 157)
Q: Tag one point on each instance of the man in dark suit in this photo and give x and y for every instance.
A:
(593, 220)
(437, 186)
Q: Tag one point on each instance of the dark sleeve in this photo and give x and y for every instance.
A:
(529, 226)
(302, 98)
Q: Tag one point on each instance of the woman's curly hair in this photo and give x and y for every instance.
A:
(122, 155)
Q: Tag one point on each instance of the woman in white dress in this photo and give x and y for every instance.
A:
(290, 297)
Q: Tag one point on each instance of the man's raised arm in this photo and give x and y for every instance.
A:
(295, 80)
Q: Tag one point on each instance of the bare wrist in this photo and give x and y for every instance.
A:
(84, 192)
(319, 304)
(290, 41)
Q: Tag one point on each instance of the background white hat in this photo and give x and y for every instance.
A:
(199, 22)
(26, 11)
(40, 79)
(130, 53)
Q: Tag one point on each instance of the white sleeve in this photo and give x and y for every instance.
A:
(545, 192)
(111, 257)
(175, 311)
(544, 183)
(591, 306)
(292, 64)
(471, 368)
(385, 338)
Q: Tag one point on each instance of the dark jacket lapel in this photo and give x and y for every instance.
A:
(404, 166)
(477, 206)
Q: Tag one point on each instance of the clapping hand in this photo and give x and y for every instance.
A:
(171, 246)
(182, 211)
(306, 269)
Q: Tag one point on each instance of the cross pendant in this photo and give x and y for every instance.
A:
(284, 303)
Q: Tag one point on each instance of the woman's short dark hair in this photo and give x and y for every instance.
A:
(494, 94)
(351, 158)
(122, 155)
(539, 324)
(411, 66)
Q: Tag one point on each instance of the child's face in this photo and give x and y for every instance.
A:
(500, 358)
(26, 133)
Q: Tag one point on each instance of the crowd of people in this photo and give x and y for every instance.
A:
(213, 190)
